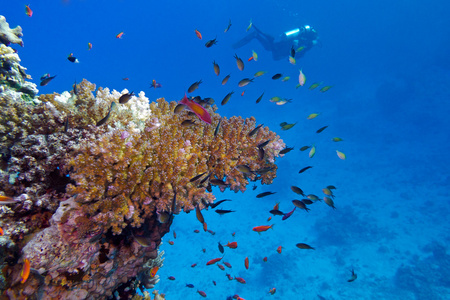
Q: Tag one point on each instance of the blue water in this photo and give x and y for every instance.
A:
(389, 67)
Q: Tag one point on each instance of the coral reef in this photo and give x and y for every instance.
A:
(93, 199)
(10, 35)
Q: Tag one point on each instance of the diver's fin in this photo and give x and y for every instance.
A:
(244, 41)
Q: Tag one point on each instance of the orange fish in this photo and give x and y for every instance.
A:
(213, 261)
(272, 291)
(270, 218)
(153, 271)
(232, 245)
(246, 263)
(233, 234)
(242, 94)
(262, 228)
(199, 35)
(28, 11)
(240, 279)
(119, 36)
(251, 57)
(25, 271)
(279, 249)
(1, 231)
(198, 110)
(199, 215)
(6, 200)
(89, 46)
(277, 206)
(205, 226)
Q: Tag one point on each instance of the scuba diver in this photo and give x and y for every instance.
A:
(300, 39)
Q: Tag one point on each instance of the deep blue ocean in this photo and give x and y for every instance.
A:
(388, 64)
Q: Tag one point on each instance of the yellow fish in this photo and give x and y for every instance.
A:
(326, 88)
(260, 73)
(249, 26)
(337, 139)
(292, 60)
(314, 85)
(312, 116)
(340, 155)
(312, 151)
(254, 55)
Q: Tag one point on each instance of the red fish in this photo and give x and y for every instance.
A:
(171, 242)
(202, 293)
(25, 271)
(232, 245)
(246, 263)
(229, 277)
(227, 264)
(213, 261)
(1, 231)
(221, 267)
(265, 259)
(28, 11)
(287, 215)
(153, 271)
(199, 35)
(193, 265)
(262, 228)
(251, 57)
(197, 109)
(240, 279)
(279, 249)
(119, 36)
(270, 218)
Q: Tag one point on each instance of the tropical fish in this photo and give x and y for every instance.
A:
(228, 27)
(297, 190)
(244, 169)
(285, 78)
(304, 169)
(305, 148)
(301, 78)
(283, 101)
(174, 234)
(213, 261)
(292, 60)
(329, 202)
(312, 116)
(240, 280)
(221, 267)
(286, 150)
(327, 192)
(216, 131)
(232, 245)
(287, 215)
(249, 25)
(229, 277)
(312, 152)
(179, 108)
(276, 212)
(193, 265)
(197, 109)
(198, 34)
(199, 215)
(354, 276)
(254, 56)
(304, 246)
(125, 78)
(105, 119)
(72, 58)
(153, 271)
(189, 285)
(239, 62)
(279, 249)
(292, 51)
(1, 231)
(155, 84)
(287, 126)
(119, 36)
(265, 259)
(245, 82)
(214, 205)
(254, 131)
(300, 48)
(326, 88)
(25, 270)
(46, 80)
(225, 80)
(210, 43)
(314, 85)
(194, 86)
(28, 11)
(277, 76)
(171, 278)
(263, 144)
(321, 129)
(312, 197)
(171, 242)
(227, 264)
(89, 46)
(242, 94)
(307, 201)
(272, 291)
(337, 139)
(331, 187)
(259, 98)
(227, 98)
(300, 204)
(265, 194)
(187, 123)
(260, 73)
(125, 97)
(340, 154)
(223, 211)
(216, 68)
(220, 247)
(262, 228)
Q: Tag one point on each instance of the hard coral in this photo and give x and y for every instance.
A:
(10, 35)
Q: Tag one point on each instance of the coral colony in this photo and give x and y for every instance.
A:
(89, 184)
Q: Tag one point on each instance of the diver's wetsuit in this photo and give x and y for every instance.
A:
(280, 49)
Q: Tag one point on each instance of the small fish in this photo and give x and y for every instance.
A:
(300, 204)
(125, 78)
(304, 169)
(1, 232)
(239, 62)
(226, 98)
(254, 187)
(153, 271)
(221, 267)
(277, 212)
(228, 27)
(286, 150)
(28, 11)
(331, 187)
(260, 73)
(126, 97)
(340, 154)
(354, 276)
(229, 277)
(213, 261)
(216, 68)
(301, 78)
(254, 131)
(261, 153)
(216, 131)
(262, 228)
(304, 246)
(199, 215)
(223, 211)
(337, 139)
(232, 245)
(288, 126)
(46, 80)
(312, 197)
(105, 119)
(297, 190)
(292, 51)
(263, 144)
(312, 116)
(198, 34)
(220, 247)
(214, 282)
(174, 234)
(277, 76)
(72, 58)
(189, 285)
(240, 280)
(245, 82)
(171, 243)
(119, 36)
(218, 182)
(89, 46)
(292, 60)
(325, 88)
(155, 84)
(187, 123)
(194, 86)
(225, 80)
(179, 108)
(254, 56)
(210, 43)
(279, 249)
(171, 278)
(246, 263)
(329, 202)
(272, 291)
(244, 169)
(287, 215)
(193, 265)
(196, 231)
(314, 85)
(312, 152)
(321, 129)
(307, 201)
(285, 78)
(214, 205)
(197, 109)
(243, 92)
(249, 25)
(300, 48)
(305, 148)
(25, 270)
(227, 264)
(265, 194)
(259, 98)
(327, 192)
(283, 101)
